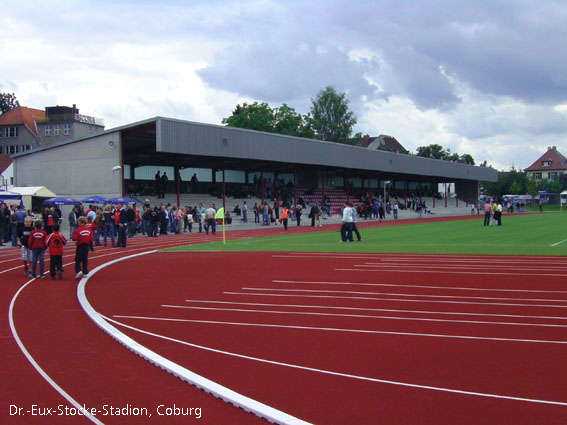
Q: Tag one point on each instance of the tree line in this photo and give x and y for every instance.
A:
(329, 118)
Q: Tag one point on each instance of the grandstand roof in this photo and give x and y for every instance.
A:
(165, 141)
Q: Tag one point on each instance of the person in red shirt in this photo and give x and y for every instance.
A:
(83, 237)
(37, 242)
(55, 242)
(91, 225)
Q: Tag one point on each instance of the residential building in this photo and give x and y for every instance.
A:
(22, 129)
(382, 142)
(549, 166)
(6, 172)
(18, 130)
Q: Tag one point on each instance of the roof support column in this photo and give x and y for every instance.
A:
(263, 184)
(294, 188)
(177, 175)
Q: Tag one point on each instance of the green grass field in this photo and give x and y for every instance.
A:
(530, 234)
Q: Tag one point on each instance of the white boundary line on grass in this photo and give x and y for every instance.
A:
(211, 387)
(559, 243)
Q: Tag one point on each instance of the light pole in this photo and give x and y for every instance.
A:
(386, 183)
(117, 169)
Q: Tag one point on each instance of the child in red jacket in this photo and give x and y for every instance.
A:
(91, 225)
(55, 242)
(83, 237)
(37, 243)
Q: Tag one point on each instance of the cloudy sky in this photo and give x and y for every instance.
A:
(485, 77)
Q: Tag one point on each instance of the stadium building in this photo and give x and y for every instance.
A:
(204, 158)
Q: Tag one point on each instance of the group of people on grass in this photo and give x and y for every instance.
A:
(492, 213)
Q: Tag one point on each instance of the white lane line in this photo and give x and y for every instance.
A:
(362, 316)
(455, 313)
(336, 297)
(38, 368)
(454, 272)
(559, 243)
(461, 266)
(344, 375)
(425, 259)
(406, 295)
(363, 331)
(226, 394)
(418, 286)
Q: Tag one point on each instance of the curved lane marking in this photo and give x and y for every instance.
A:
(43, 374)
(250, 405)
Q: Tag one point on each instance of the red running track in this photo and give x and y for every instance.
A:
(357, 338)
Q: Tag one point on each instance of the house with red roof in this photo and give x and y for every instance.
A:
(6, 172)
(18, 129)
(549, 166)
(382, 142)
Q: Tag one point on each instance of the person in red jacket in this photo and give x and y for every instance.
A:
(37, 242)
(55, 242)
(83, 237)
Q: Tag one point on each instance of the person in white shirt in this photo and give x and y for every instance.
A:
(348, 220)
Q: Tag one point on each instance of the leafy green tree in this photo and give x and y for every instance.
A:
(532, 186)
(331, 117)
(261, 117)
(257, 116)
(466, 159)
(289, 122)
(516, 188)
(433, 151)
(8, 102)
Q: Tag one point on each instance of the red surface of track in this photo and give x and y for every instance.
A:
(359, 339)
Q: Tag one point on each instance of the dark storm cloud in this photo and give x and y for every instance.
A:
(509, 48)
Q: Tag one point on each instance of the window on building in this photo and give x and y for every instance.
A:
(552, 175)
(56, 130)
(546, 163)
(66, 129)
(48, 130)
(11, 132)
(537, 176)
(12, 149)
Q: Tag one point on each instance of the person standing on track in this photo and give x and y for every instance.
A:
(55, 242)
(37, 243)
(83, 237)
(26, 253)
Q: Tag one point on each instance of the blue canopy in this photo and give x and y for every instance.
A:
(5, 194)
(61, 200)
(120, 201)
(94, 200)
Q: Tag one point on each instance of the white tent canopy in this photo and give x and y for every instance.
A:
(28, 192)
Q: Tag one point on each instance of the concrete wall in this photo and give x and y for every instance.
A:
(77, 170)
